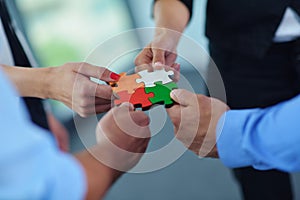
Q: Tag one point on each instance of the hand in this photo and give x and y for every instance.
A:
(123, 135)
(160, 52)
(59, 131)
(71, 85)
(195, 119)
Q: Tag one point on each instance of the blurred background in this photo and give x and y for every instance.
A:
(63, 31)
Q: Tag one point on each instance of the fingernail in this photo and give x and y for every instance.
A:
(131, 106)
(173, 93)
(114, 76)
(157, 63)
(127, 104)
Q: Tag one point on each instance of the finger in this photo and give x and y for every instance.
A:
(126, 106)
(158, 56)
(144, 57)
(183, 97)
(142, 122)
(122, 111)
(142, 67)
(102, 108)
(134, 123)
(93, 109)
(170, 58)
(140, 118)
(86, 102)
(159, 66)
(101, 73)
(96, 101)
(176, 69)
(174, 113)
(100, 101)
(103, 91)
(85, 88)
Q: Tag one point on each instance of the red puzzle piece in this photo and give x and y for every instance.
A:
(139, 98)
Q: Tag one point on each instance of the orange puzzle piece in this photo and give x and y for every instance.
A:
(126, 82)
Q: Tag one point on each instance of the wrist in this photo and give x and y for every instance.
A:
(99, 177)
(167, 34)
(30, 82)
(47, 82)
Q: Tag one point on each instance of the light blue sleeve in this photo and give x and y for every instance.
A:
(31, 166)
(264, 138)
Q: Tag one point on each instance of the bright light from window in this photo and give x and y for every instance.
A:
(64, 31)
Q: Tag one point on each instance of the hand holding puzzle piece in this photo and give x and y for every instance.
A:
(144, 88)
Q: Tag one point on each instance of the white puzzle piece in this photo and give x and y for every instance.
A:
(149, 78)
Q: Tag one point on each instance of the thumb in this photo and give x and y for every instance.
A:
(158, 56)
(101, 73)
(183, 97)
(140, 118)
(133, 123)
(125, 107)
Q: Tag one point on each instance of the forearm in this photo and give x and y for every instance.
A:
(170, 14)
(30, 82)
(98, 176)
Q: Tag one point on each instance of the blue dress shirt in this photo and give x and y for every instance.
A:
(31, 166)
(264, 138)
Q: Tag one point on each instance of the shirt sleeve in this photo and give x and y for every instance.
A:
(264, 138)
(31, 166)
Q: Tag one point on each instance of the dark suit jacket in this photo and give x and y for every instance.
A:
(34, 105)
(244, 23)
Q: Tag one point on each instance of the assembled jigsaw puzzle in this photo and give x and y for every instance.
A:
(144, 88)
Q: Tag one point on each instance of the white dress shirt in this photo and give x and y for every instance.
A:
(289, 28)
(5, 52)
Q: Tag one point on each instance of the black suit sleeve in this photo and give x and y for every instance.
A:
(187, 3)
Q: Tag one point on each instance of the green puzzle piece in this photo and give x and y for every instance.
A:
(161, 93)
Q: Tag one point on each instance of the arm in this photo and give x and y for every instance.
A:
(69, 84)
(25, 78)
(99, 177)
(28, 151)
(171, 17)
(123, 135)
(264, 138)
(59, 131)
(166, 15)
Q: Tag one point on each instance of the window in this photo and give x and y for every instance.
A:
(66, 31)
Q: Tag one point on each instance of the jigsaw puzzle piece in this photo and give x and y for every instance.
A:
(161, 93)
(123, 97)
(139, 98)
(126, 83)
(150, 78)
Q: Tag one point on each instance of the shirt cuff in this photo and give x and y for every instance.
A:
(230, 139)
